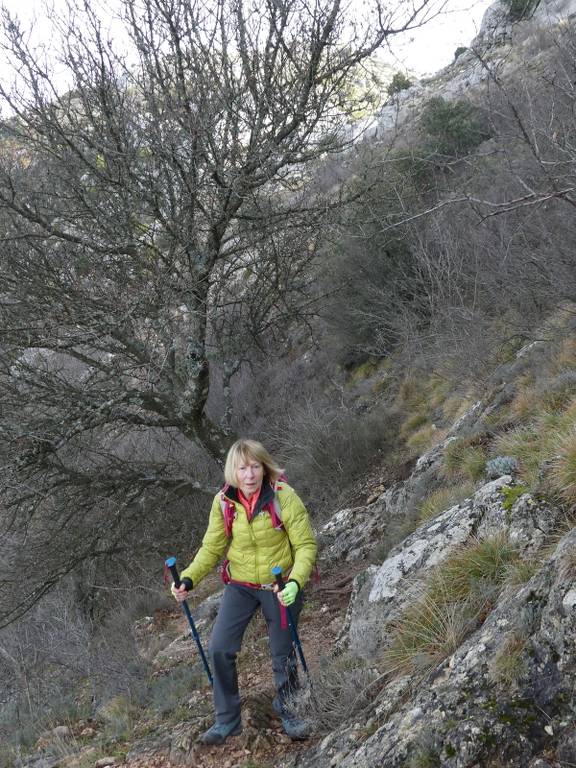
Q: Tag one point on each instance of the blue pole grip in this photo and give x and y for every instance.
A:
(171, 565)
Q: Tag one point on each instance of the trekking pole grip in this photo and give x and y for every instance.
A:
(171, 565)
(277, 573)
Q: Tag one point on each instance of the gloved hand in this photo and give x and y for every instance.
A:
(288, 595)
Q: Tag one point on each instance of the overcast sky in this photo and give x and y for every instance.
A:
(421, 52)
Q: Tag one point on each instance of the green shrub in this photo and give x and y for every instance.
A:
(520, 572)
(453, 128)
(524, 444)
(413, 422)
(428, 632)
(118, 716)
(482, 562)
(510, 494)
(398, 83)
(459, 51)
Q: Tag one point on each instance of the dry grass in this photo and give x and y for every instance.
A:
(562, 475)
(443, 498)
(343, 687)
(453, 601)
(509, 663)
(462, 459)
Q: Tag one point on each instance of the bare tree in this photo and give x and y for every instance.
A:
(157, 215)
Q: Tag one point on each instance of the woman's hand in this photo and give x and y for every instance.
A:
(288, 595)
(180, 593)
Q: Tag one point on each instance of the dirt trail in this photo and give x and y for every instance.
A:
(262, 743)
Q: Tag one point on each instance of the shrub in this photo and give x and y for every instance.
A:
(118, 716)
(398, 83)
(453, 128)
(428, 632)
(510, 494)
(443, 498)
(170, 691)
(459, 51)
(413, 422)
(521, 9)
(521, 571)
(501, 465)
(527, 403)
(482, 562)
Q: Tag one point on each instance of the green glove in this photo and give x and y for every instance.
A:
(289, 593)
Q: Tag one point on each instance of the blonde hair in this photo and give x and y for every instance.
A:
(246, 450)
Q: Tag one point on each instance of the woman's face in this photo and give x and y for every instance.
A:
(249, 474)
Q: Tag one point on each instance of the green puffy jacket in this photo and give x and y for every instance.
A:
(256, 546)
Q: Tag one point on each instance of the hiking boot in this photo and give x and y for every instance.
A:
(295, 728)
(219, 732)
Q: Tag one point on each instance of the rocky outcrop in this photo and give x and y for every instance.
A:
(470, 710)
(382, 593)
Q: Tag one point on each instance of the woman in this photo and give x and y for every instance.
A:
(261, 523)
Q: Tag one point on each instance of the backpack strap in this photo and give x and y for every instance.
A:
(228, 512)
(275, 509)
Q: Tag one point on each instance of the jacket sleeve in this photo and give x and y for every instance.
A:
(213, 547)
(302, 539)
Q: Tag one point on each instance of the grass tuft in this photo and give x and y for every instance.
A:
(454, 600)
(562, 474)
(443, 498)
(464, 460)
(509, 663)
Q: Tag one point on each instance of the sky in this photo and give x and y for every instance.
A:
(420, 52)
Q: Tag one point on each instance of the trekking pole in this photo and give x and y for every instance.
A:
(277, 572)
(171, 565)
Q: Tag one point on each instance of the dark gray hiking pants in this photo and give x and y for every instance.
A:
(238, 606)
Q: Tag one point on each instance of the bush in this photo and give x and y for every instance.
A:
(325, 446)
(521, 9)
(398, 83)
(453, 128)
(424, 438)
(510, 494)
(459, 51)
(501, 465)
(171, 691)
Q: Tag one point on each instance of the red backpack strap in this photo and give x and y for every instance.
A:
(276, 510)
(228, 513)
